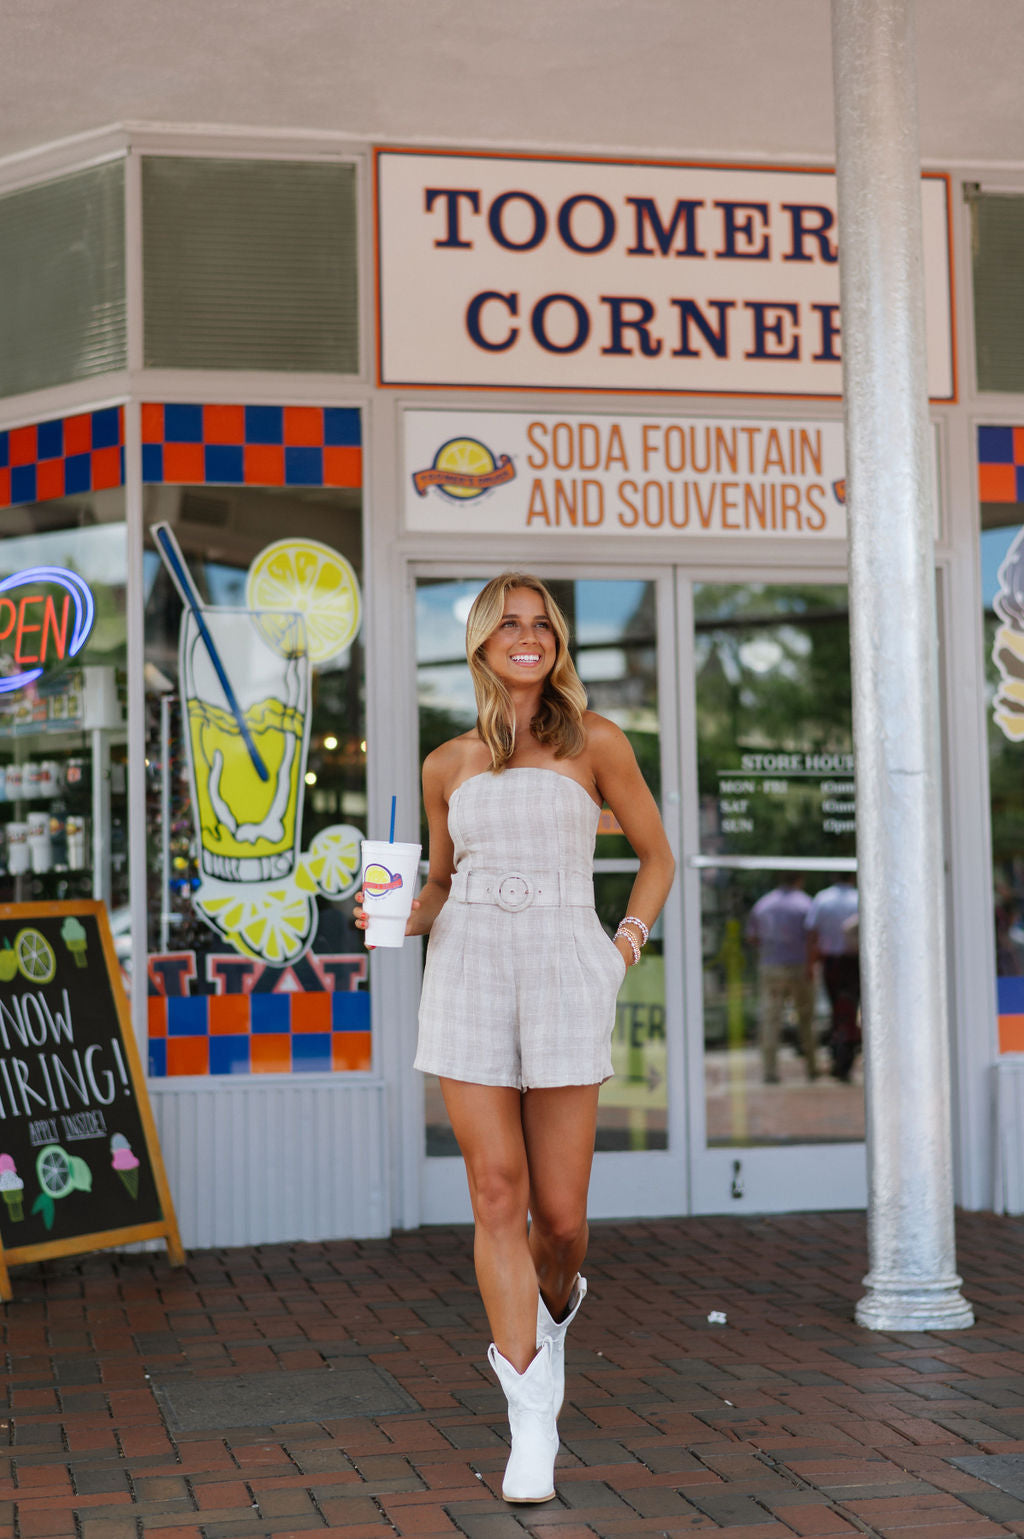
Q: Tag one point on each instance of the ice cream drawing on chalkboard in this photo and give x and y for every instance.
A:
(58, 1173)
(125, 1163)
(73, 935)
(13, 1188)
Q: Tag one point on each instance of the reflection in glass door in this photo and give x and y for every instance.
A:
(613, 626)
(774, 873)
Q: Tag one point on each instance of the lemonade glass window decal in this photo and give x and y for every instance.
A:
(246, 679)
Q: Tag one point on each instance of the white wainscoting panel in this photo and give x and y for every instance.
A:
(261, 1161)
(1009, 1161)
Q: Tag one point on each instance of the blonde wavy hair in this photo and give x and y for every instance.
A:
(559, 718)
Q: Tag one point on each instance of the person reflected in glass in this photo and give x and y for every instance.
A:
(832, 939)
(520, 981)
(777, 927)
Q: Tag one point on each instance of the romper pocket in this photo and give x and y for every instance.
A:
(618, 955)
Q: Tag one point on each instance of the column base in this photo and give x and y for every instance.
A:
(908, 1304)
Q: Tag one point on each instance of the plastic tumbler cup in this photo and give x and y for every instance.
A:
(39, 841)
(17, 848)
(389, 886)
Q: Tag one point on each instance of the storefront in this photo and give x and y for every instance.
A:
(265, 429)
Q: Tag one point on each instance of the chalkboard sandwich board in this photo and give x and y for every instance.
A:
(80, 1165)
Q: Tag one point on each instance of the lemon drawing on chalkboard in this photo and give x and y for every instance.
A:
(58, 1173)
(36, 957)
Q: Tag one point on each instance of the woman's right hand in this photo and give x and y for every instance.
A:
(361, 918)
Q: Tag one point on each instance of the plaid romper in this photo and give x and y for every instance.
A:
(520, 980)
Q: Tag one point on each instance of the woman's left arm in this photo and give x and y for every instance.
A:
(619, 782)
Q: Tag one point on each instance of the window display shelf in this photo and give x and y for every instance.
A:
(63, 830)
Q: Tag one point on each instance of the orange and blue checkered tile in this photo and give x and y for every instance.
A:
(300, 1033)
(193, 445)
(1001, 464)
(84, 453)
(1010, 1010)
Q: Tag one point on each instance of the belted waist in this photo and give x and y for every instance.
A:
(517, 890)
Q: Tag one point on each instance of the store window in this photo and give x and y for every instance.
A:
(782, 1060)
(63, 666)
(255, 740)
(997, 249)
(62, 280)
(1001, 495)
(249, 264)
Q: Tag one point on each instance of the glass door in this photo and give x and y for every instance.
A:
(616, 625)
(776, 1091)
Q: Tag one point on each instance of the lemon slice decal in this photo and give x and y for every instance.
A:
(331, 864)
(58, 1173)
(310, 579)
(274, 924)
(466, 457)
(53, 1169)
(36, 957)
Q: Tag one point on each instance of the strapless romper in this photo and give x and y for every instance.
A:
(520, 979)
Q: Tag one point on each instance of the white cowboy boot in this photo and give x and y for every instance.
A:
(554, 1331)
(530, 1472)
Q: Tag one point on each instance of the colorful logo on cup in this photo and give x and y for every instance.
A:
(464, 468)
(378, 880)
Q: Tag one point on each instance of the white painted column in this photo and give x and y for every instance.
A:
(912, 1282)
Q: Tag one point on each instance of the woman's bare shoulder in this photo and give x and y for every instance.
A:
(446, 765)
(602, 734)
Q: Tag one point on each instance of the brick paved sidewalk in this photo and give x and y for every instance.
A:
(342, 1389)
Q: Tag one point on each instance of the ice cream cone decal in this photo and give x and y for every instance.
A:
(13, 1189)
(125, 1163)
(74, 937)
(1008, 646)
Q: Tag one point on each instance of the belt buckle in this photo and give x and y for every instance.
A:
(514, 893)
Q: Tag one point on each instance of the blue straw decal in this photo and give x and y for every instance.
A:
(391, 835)
(174, 561)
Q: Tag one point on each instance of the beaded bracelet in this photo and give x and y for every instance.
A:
(628, 935)
(644, 931)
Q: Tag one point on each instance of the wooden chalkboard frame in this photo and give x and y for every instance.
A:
(165, 1228)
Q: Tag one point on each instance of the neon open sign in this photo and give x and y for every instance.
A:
(45, 627)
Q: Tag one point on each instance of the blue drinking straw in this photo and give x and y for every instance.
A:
(391, 835)
(182, 579)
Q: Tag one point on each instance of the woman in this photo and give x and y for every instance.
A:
(519, 987)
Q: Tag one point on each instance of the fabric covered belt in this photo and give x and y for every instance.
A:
(517, 890)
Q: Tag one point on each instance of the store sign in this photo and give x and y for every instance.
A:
(46, 614)
(476, 473)
(761, 786)
(546, 273)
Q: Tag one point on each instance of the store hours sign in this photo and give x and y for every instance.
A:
(478, 473)
(546, 273)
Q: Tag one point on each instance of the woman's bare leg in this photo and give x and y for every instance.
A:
(488, 1124)
(559, 1127)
